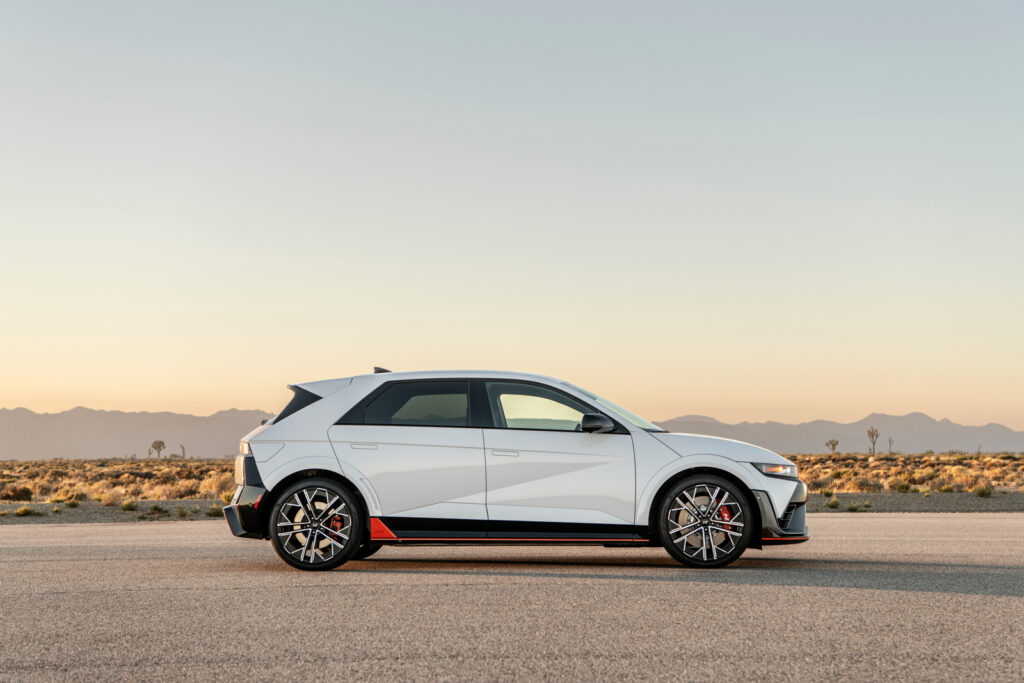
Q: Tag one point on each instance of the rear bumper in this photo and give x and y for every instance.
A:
(792, 526)
(243, 514)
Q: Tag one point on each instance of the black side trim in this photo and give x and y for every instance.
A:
(423, 527)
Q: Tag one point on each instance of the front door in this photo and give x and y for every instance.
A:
(413, 443)
(542, 468)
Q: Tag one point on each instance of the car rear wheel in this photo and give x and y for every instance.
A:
(316, 525)
(705, 521)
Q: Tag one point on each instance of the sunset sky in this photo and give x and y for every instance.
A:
(751, 211)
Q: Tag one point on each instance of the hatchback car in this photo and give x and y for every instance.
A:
(462, 457)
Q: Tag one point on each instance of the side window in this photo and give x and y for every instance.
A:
(422, 404)
(529, 406)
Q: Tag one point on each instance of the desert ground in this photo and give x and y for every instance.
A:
(871, 597)
(981, 481)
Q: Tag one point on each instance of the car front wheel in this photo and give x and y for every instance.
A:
(705, 521)
(316, 525)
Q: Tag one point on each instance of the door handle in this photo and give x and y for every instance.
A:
(505, 452)
(366, 446)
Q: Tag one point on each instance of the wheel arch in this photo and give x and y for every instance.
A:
(755, 511)
(270, 498)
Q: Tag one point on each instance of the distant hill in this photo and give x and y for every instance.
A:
(913, 433)
(82, 433)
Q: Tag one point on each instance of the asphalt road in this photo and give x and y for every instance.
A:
(872, 596)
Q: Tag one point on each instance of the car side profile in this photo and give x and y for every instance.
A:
(457, 457)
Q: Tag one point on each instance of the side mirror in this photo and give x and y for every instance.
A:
(596, 423)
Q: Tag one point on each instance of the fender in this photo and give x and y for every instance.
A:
(645, 499)
(321, 460)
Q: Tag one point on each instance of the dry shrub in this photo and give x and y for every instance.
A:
(819, 483)
(14, 492)
(897, 484)
(215, 484)
(74, 493)
(950, 471)
(864, 485)
(111, 496)
(177, 491)
(40, 488)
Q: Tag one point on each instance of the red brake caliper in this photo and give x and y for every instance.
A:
(336, 523)
(726, 515)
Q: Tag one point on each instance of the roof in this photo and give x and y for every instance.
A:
(329, 386)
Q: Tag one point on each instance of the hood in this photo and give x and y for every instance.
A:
(696, 444)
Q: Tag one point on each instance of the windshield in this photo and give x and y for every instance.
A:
(604, 403)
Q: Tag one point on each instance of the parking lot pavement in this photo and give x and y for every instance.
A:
(871, 596)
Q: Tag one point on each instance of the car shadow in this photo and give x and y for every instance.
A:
(929, 577)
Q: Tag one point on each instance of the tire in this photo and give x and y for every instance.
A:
(367, 549)
(705, 521)
(337, 525)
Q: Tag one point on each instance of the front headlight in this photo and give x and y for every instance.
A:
(788, 471)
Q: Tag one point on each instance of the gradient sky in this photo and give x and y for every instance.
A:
(750, 210)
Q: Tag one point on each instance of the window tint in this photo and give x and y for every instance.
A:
(528, 406)
(425, 404)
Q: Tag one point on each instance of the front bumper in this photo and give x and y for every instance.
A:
(792, 526)
(243, 514)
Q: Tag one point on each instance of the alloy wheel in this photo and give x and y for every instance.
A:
(706, 522)
(313, 525)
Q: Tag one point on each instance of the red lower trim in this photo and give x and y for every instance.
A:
(785, 539)
(478, 539)
(379, 531)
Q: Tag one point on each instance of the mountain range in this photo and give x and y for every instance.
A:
(913, 433)
(83, 433)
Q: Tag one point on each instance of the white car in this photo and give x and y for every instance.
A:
(461, 457)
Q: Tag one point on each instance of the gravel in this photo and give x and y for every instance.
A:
(92, 511)
(1000, 501)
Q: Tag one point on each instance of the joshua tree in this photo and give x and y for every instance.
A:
(873, 435)
(158, 446)
(891, 442)
(832, 444)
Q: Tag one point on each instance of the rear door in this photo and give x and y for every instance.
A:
(414, 444)
(542, 468)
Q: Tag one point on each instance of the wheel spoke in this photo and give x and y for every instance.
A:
(286, 534)
(681, 528)
(718, 507)
(685, 536)
(693, 511)
(307, 547)
(328, 535)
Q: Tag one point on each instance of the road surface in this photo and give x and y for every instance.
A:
(872, 596)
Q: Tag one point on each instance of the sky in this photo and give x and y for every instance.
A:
(754, 211)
